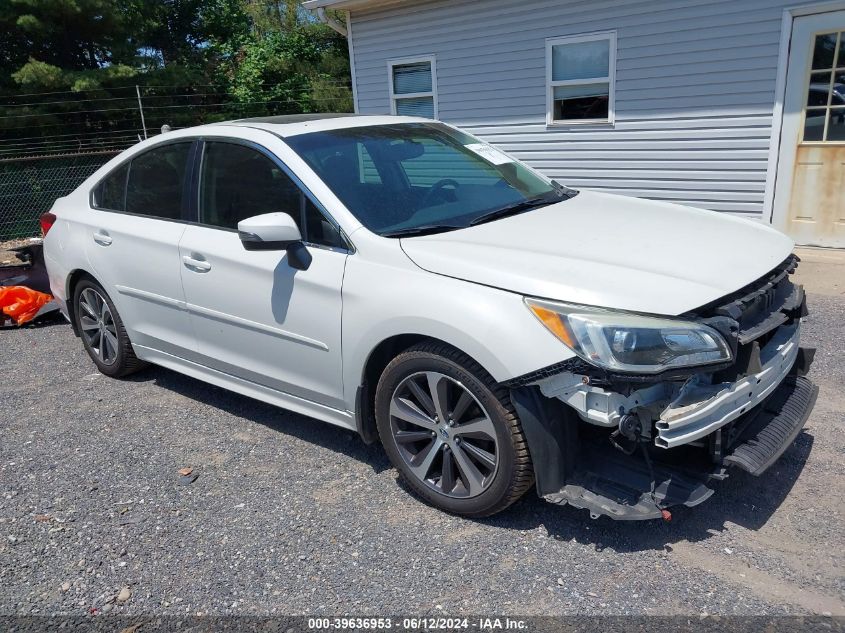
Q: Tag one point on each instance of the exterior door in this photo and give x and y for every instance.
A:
(133, 235)
(815, 103)
(256, 316)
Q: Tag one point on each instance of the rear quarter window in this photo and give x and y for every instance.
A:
(110, 193)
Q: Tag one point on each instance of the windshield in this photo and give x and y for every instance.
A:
(411, 178)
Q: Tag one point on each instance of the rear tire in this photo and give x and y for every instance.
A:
(102, 332)
(451, 431)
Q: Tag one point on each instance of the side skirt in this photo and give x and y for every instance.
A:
(343, 419)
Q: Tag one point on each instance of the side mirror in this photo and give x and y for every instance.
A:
(275, 232)
(268, 232)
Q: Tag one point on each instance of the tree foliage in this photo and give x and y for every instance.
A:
(295, 69)
(251, 56)
(72, 35)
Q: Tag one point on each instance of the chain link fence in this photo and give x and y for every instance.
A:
(29, 186)
(51, 142)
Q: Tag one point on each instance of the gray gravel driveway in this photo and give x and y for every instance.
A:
(292, 516)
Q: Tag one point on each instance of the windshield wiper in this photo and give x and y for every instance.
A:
(513, 209)
(427, 229)
(564, 191)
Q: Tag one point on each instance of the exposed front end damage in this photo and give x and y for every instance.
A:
(632, 446)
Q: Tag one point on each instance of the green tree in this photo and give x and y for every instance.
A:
(56, 44)
(181, 31)
(196, 61)
(74, 34)
(280, 16)
(13, 45)
(289, 62)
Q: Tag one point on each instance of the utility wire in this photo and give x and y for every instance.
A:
(334, 82)
(187, 105)
(76, 134)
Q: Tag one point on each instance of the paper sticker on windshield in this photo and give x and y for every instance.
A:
(489, 153)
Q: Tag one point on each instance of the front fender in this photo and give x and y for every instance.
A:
(492, 326)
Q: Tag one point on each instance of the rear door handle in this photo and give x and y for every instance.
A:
(102, 238)
(198, 265)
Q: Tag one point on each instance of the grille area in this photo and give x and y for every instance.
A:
(759, 309)
(762, 307)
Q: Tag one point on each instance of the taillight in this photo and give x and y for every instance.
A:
(46, 220)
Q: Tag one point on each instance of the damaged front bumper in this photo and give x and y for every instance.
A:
(699, 409)
(630, 448)
(626, 487)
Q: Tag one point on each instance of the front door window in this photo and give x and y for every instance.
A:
(238, 182)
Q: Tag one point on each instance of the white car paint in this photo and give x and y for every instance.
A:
(138, 262)
(491, 325)
(265, 322)
(194, 300)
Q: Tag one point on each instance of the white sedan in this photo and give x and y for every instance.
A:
(493, 329)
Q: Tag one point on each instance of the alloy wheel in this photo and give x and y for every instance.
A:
(443, 433)
(97, 325)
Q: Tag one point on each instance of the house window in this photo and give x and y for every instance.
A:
(413, 87)
(824, 118)
(580, 72)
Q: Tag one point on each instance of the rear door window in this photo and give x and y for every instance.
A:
(156, 183)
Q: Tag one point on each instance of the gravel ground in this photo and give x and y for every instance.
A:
(292, 516)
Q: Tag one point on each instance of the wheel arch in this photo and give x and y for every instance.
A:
(73, 279)
(379, 357)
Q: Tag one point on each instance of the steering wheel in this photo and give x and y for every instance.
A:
(439, 188)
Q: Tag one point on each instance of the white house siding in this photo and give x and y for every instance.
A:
(695, 84)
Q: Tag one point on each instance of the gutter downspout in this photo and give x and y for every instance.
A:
(334, 24)
(345, 31)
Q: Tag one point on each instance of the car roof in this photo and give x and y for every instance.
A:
(283, 119)
(294, 124)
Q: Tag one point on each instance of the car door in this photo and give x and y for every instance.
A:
(255, 315)
(135, 224)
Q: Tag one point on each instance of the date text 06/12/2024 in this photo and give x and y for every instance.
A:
(412, 623)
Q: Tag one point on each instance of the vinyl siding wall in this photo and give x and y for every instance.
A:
(695, 84)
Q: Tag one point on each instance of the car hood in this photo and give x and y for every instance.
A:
(610, 251)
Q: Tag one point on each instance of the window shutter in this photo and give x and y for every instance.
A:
(412, 78)
(423, 107)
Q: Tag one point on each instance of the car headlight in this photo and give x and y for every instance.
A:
(629, 342)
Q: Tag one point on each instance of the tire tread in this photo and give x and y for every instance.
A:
(130, 363)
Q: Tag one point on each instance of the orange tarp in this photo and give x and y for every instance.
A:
(21, 303)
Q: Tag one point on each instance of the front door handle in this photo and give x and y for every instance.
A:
(197, 265)
(102, 238)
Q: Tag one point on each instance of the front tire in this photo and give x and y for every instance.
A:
(102, 332)
(452, 432)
